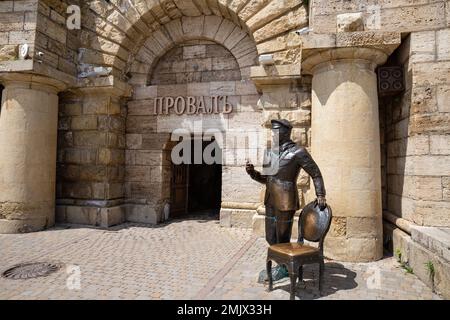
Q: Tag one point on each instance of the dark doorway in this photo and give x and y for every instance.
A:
(197, 187)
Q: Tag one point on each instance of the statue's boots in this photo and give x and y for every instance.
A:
(279, 272)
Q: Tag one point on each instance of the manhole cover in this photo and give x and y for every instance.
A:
(31, 270)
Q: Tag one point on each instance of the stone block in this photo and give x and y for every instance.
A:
(82, 215)
(84, 123)
(112, 216)
(430, 123)
(278, 97)
(298, 118)
(258, 225)
(137, 173)
(175, 30)
(363, 227)
(96, 106)
(446, 188)
(198, 65)
(431, 73)
(350, 22)
(141, 108)
(434, 239)
(6, 6)
(89, 138)
(294, 19)
(194, 52)
(440, 144)
(148, 158)
(144, 93)
(11, 21)
(92, 173)
(221, 63)
(271, 11)
(364, 249)
(248, 103)
(198, 89)
(141, 214)
(141, 124)
(211, 26)
(221, 75)
(225, 218)
(419, 257)
(414, 18)
(234, 38)
(224, 31)
(245, 88)
(443, 98)
(134, 141)
(225, 88)
(423, 46)
(172, 90)
(192, 26)
(338, 227)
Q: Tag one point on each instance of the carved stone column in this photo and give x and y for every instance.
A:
(346, 146)
(28, 138)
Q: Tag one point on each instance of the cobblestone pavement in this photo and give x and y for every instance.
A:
(189, 259)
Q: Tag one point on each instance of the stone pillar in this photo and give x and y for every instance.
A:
(91, 157)
(28, 138)
(346, 146)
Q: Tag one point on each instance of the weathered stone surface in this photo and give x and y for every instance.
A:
(350, 22)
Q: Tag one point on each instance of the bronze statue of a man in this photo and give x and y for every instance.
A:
(281, 199)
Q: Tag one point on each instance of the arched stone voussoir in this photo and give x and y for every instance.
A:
(210, 28)
(223, 18)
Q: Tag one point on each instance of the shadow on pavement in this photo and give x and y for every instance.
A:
(336, 278)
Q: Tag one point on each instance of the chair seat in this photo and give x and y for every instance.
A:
(293, 249)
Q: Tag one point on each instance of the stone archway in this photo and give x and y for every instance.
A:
(92, 150)
(196, 65)
(115, 32)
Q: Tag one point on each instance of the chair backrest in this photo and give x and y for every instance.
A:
(313, 224)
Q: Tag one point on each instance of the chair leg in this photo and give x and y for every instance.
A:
(269, 274)
(321, 272)
(293, 277)
(300, 273)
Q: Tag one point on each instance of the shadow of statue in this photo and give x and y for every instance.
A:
(336, 278)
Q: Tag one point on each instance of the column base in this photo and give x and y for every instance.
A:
(259, 226)
(24, 226)
(236, 218)
(92, 216)
(107, 217)
(353, 249)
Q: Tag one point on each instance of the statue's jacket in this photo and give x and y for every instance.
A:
(280, 174)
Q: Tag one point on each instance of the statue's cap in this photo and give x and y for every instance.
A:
(277, 124)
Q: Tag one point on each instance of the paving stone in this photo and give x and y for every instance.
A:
(180, 260)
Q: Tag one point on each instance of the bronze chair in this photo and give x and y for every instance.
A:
(313, 225)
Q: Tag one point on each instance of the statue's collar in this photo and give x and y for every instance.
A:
(287, 145)
(283, 148)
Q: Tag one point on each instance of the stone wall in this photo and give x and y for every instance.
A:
(196, 61)
(91, 158)
(124, 27)
(398, 15)
(58, 44)
(417, 133)
(42, 25)
(17, 26)
(196, 68)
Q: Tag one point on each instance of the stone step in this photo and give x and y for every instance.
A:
(435, 239)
